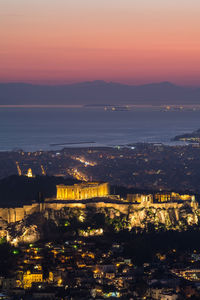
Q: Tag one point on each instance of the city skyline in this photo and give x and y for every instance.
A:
(133, 42)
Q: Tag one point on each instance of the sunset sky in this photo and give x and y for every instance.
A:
(129, 41)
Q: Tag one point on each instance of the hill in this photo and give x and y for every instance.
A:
(97, 93)
(20, 190)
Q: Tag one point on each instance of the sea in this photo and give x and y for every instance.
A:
(53, 128)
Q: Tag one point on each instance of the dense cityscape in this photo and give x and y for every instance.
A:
(141, 166)
(69, 237)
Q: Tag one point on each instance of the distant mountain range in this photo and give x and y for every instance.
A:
(97, 93)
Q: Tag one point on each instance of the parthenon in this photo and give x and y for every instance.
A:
(82, 191)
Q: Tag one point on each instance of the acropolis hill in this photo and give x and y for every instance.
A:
(96, 195)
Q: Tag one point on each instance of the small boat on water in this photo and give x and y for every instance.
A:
(117, 108)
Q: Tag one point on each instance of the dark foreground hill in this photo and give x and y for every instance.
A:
(18, 190)
(97, 93)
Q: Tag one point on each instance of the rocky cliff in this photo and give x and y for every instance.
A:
(51, 222)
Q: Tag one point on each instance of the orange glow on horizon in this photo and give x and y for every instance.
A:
(126, 41)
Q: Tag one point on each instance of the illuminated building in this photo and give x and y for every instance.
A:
(172, 197)
(29, 278)
(139, 198)
(51, 276)
(82, 191)
(29, 173)
(159, 198)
